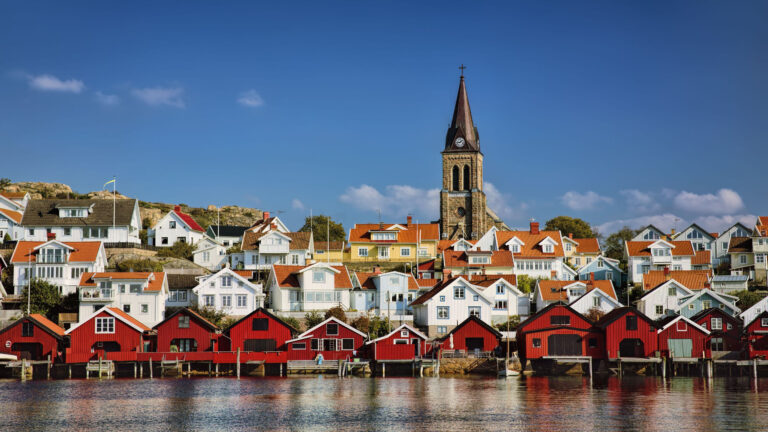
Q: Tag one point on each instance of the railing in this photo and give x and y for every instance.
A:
(96, 294)
(128, 245)
(466, 354)
(274, 249)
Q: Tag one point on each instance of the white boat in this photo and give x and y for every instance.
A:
(8, 357)
(506, 373)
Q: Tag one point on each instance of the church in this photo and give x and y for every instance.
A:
(464, 212)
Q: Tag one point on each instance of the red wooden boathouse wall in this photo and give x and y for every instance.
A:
(84, 339)
(199, 330)
(731, 337)
(629, 333)
(251, 328)
(302, 349)
(387, 349)
(41, 344)
(467, 336)
(699, 339)
(542, 335)
(757, 337)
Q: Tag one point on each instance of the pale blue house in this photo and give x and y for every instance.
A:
(604, 269)
(385, 294)
(705, 299)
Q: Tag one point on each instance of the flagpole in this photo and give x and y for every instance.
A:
(328, 239)
(29, 282)
(114, 203)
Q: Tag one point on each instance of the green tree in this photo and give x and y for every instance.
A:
(526, 284)
(320, 225)
(45, 298)
(569, 225)
(7, 238)
(362, 323)
(179, 249)
(747, 299)
(312, 318)
(336, 312)
(291, 321)
(214, 316)
(5, 182)
(139, 265)
(379, 327)
(614, 244)
(512, 324)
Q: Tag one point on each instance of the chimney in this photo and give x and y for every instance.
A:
(51, 236)
(553, 274)
(446, 273)
(273, 226)
(671, 232)
(177, 208)
(592, 276)
(266, 215)
(534, 228)
(707, 285)
(376, 269)
(570, 235)
(666, 273)
(409, 219)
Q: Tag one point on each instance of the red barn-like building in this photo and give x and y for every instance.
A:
(682, 338)
(33, 337)
(110, 334)
(756, 333)
(628, 333)
(187, 331)
(471, 335)
(333, 339)
(404, 343)
(559, 330)
(259, 331)
(724, 329)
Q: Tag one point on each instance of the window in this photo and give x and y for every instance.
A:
(172, 225)
(691, 307)
(743, 259)
(592, 342)
(300, 346)
(164, 240)
(295, 259)
(260, 324)
(716, 323)
(401, 342)
(706, 304)
(105, 325)
(226, 301)
(442, 329)
(185, 345)
(442, 298)
(348, 344)
(404, 333)
(548, 248)
(315, 344)
(659, 309)
(27, 329)
(330, 344)
(500, 289)
(332, 329)
(443, 312)
(226, 281)
(682, 326)
(423, 252)
(515, 248)
(209, 302)
(568, 247)
(458, 293)
(500, 304)
(474, 311)
(596, 301)
(135, 288)
(763, 322)
(716, 344)
(242, 301)
(609, 275)
(560, 320)
(384, 252)
(455, 177)
(405, 251)
(729, 326)
(631, 322)
(183, 321)
(578, 261)
(536, 342)
(671, 291)
(144, 308)
(760, 258)
(318, 276)
(724, 246)
(127, 308)
(475, 298)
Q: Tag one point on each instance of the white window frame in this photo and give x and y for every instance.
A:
(105, 325)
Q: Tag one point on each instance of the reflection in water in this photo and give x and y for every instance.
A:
(403, 404)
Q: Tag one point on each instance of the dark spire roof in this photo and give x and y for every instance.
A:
(462, 124)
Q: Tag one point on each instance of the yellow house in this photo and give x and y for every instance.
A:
(580, 251)
(329, 251)
(381, 242)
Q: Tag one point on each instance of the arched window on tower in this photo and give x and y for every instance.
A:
(466, 177)
(456, 178)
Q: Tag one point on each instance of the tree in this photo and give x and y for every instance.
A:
(614, 244)
(179, 249)
(291, 321)
(569, 225)
(45, 298)
(747, 299)
(379, 327)
(5, 182)
(594, 314)
(320, 225)
(336, 312)
(139, 265)
(362, 323)
(512, 324)
(7, 238)
(214, 316)
(312, 318)
(527, 284)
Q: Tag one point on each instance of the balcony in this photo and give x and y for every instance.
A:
(97, 294)
(274, 248)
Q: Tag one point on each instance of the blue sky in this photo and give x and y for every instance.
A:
(615, 112)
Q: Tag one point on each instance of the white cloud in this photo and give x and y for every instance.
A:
(107, 99)
(664, 222)
(397, 200)
(156, 96)
(250, 98)
(51, 83)
(296, 204)
(640, 202)
(726, 201)
(586, 201)
(500, 203)
(721, 223)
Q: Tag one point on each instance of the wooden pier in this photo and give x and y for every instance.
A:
(572, 360)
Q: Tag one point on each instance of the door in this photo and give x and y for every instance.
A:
(474, 344)
(631, 348)
(680, 347)
(100, 348)
(28, 351)
(260, 345)
(416, 342)
(564, 345)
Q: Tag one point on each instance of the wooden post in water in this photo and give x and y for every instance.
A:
(238, 362)
(754, 368)
(189, 369)
(23, 369)
(99, 366)
(217, 369)
(69, 372)
(141, 370)
(663, 368)
(134, 370)
(619, 361)
(209, 369)
(150, 368)
(48, 366)
(383, 370)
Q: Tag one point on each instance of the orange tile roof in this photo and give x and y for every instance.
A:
(88, 279)
(14, 215)
(50, 325)
(13, 195)
(286, 276)
(501, 258)
(702, 257)
(691, 279)
(740, 244)
(446, 244)
(552, 290)
(763, 220)
(640, 248)
(362, 233)
(366, 281)
(531, 248)
(248, 274)
(129, 318)
(587, 245)
(488, 280)
(427, 283)
(83, 251)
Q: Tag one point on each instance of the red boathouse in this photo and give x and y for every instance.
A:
(332, 338)
(757, 337)
(33, 337)
(680, 337)
(724, 329)
(109, 334)
(629, 333)
(187, 331)
(559, 330)
(404, 343)
(259, 331)
(472, 335)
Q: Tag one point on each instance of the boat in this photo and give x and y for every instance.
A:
(506, 372)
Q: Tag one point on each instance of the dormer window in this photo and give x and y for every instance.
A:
(568, 247)
(73, 212)
(172, 225)
(479, 260)
(318, 276)
(694, 235)
(384, 236)
(660, 252)
(548, 248)
(515, 248)
(651, 235)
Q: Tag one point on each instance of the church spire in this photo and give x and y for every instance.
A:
(462, 135)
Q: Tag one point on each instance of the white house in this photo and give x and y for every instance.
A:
(644, 256)
(538, 254)
(649, 233)
(175, 226)
(56, 262)
(720, 249)
(729, 283)
(756, 309)
(143, 295)
(386, 294)
(227, 235)
(547, 292)
(260, 250)
(210, 254)
(449, 303)
(10, 224)
(663, 300)
(230, 292)
(110, 221)
(14, 200)
(698, 236)
(318, 286)
(508, 300)
(595, 299)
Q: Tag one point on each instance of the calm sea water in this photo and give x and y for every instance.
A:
(399, 404)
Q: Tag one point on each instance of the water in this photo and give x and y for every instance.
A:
(400, 404)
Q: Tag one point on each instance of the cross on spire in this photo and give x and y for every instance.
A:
(461, 68)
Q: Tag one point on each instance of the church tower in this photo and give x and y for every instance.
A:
(463, 210)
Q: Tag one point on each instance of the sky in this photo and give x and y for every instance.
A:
(619, 113)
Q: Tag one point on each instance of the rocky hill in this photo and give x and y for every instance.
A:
(151, 212)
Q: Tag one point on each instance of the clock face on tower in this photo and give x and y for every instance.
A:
(459, 142)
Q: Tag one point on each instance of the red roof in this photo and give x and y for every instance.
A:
(366, 281)
(14, 215)
(83, 251)
(248, 274)
(427, 283)
(488, 280)
(500, 258)
(702, 257)
(763, 220)
(427, 265)
(187, 219)
(48, 324)
(553, 290)
(13, 195)
(88, 279)
(691, 279)
(362, 232)
(587, 245)
(446, 244)
(129, 318)
(640, 248)
(531, 247)
(286, 276)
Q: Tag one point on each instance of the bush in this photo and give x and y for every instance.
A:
(362, 323)
(45, 298)
(179, 249)
(379, 327)
(747, 299)
(336, 312)
(139, 265)
(291, 321)
(312, 318)
(214, 316)
(514, 321)
(594, 314)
